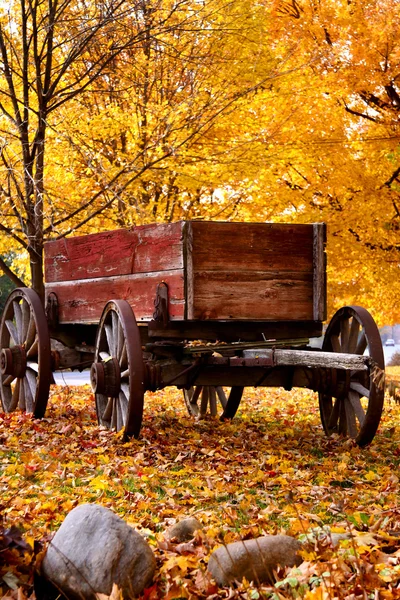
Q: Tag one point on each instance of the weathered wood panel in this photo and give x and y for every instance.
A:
(253, 295)
(144, 249)
(252, 247)
(83, 301)
(251, 271)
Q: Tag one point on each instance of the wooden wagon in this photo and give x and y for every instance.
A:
(210, 307)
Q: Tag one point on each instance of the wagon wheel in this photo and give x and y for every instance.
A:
(117, 374)
(358, 407)
(25, 360)
(201, 399)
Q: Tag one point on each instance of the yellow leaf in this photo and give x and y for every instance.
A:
(99, 483)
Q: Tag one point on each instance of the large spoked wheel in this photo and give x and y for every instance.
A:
(25, 359)
(201, 400)
(357, 409)
(117, 374)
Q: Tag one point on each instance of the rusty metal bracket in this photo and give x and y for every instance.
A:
(161, 304)
(51, 310)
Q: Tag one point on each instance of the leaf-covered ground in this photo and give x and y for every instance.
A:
(271, 470)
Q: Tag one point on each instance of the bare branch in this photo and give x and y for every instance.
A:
(10, 274)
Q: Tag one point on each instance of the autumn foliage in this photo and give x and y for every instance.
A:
(270, 470)
(282, 111)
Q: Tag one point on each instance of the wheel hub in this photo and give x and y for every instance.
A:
(13, 361)
(105, 377)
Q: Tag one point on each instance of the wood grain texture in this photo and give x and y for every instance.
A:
(252, 271)
(253, 295)
(83, 301)
(252, 247)
(144, 249)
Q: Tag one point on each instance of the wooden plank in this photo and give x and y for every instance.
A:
(319, 272)
(253, 295)
(311, 358)
(144, 249)
(188, 262)
(82, 301)
(252, 247)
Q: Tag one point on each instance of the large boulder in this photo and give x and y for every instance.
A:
(255, 559)
(95, 548)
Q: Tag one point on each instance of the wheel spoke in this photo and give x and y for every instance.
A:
(221, 395)
(362, 344)
(120, 422)
(18, 320)
(350, 419)
(125, 390)
(344, 335)
(114, 417)
(213, 401)
(342, 425)
(204, 400)
(123, 402)
(15, 396)
(8, 379)
(353, 337)
(26, 317)
(31, 333)
(21, 400)
(32, 381)
(334, 416)
(335, 343)
(33, 350)
(121, 341)
(355, 402)
(125, 374)
(29, 396)
(110, 339)
(12, 331)
(123, 359)
(108, 410)
(358, 387)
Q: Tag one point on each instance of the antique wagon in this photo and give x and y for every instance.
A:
(210, 307)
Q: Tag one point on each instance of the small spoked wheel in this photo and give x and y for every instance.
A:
(117, 374)
(201, 400)
(357, 409)
(25, 359)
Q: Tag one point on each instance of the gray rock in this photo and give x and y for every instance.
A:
(183, 530)
(254, 559)
(95, 548)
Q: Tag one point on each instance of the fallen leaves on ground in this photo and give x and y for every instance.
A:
(271, 470)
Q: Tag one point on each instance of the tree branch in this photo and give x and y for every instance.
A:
(10, 274)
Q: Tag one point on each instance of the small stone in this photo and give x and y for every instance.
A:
(183, 530)
(92, 550)
(256, 559)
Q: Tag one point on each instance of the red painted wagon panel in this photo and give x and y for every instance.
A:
(83, 301)
(144, 249)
